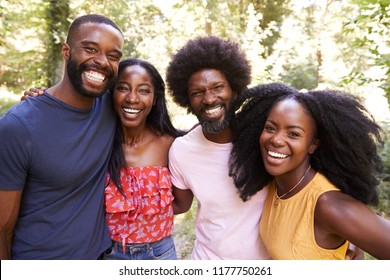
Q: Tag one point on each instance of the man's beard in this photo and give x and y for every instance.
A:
(75, 71)
(217, 125)
(214, 127)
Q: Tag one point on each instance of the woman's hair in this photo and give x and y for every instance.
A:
(158, 119)
(349, 137)
(209, 52)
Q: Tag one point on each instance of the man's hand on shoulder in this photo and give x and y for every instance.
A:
(33, 92)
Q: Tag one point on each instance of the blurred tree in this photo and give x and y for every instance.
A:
(294, 56)
(253, 44)
(384, 187)
(314, 51)
(22, 54)
(274, 12)
(57, 24)
(292, 41)
(370, 31)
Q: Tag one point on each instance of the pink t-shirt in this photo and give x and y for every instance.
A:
(225, 226)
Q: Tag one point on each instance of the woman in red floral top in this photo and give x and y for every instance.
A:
(138, 187)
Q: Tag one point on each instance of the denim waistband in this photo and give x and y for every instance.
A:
(136, 247)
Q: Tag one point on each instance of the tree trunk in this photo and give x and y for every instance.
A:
(57, 15)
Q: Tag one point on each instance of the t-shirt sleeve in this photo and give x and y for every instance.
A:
(174, 167)
(15, 143)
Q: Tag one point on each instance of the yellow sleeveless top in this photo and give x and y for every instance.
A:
(287, 229)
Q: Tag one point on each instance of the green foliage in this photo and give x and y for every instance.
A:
(7, 100)
(301, 76)
(57, 24)
(384, 197)
(383, 208)
(384, 187)
(344, 43)
(297, 57)
(26, 70)
(5, 106)
(21, 52)
(278, 37)
(274, 12)
(371, 27)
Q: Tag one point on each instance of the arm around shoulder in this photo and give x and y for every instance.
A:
(33, 92)
(182, 201)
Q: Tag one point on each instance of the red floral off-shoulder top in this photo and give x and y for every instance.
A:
(145, 214)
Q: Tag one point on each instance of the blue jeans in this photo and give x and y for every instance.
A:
(163, 249)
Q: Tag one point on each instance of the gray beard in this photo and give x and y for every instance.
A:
(214, 127)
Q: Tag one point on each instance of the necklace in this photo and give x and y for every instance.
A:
(286, 193)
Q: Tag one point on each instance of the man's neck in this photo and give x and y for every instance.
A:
(68, 95)
(223, 137)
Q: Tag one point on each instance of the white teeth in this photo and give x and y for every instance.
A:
(277, 155)
(95, 76)
(131, 111)
(213, 111)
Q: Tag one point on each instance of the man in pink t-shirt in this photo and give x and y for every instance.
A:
(205, 76)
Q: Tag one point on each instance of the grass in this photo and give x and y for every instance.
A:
(184, 234)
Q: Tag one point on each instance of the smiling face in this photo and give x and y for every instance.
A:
(210, 98)
(92, 58)
(134, 96)
(288, 139)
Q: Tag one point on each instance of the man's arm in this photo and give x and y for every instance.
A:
(9, 211)
(182, 201)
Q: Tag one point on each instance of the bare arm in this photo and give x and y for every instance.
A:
(342, 216)
(9, 210)
(183, 200)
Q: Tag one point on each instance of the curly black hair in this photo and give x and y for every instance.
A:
(349, 139)
(207, 52)
(158, 119)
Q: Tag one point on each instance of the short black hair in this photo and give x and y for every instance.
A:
(91, 18)
(207, 52)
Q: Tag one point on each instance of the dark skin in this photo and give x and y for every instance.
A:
(33, 92)
(90, 48)
(184, 198)
(210, 94)
(339, 217)
(9, 207)
(98, 44)
(142, 146)
(290, 132)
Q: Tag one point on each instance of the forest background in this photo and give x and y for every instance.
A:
(309, 44)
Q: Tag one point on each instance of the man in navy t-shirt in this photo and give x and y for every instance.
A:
(54, 151)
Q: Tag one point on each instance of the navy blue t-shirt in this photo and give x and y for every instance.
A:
(58, 156)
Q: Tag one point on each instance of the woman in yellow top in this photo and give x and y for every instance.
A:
(318, 153)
